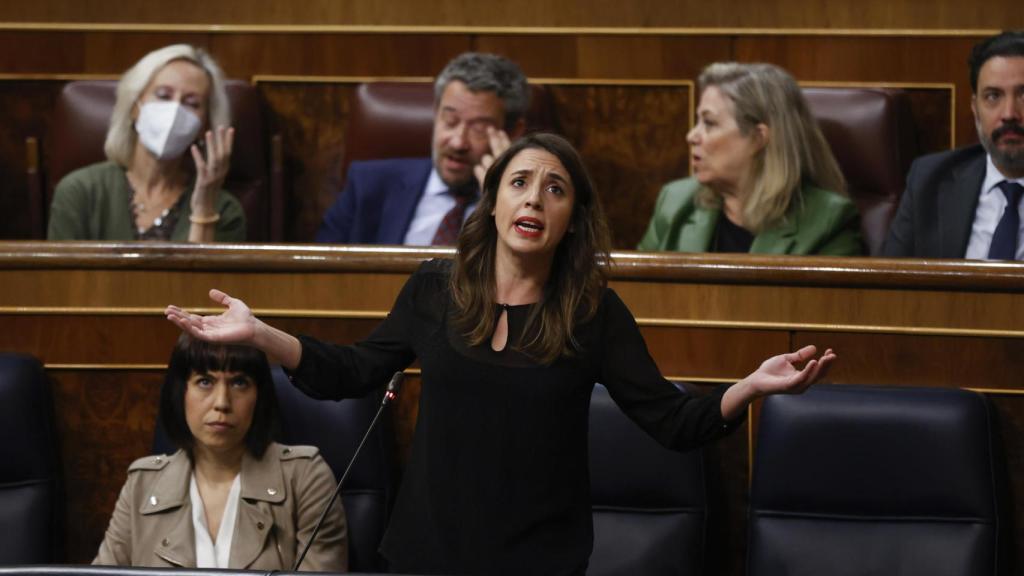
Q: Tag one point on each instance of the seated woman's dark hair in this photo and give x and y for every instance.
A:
(192, 355)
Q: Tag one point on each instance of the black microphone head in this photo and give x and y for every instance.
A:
(394, 385)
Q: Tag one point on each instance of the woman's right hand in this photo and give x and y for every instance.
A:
(236, 325)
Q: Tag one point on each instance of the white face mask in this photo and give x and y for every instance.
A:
(166, 128)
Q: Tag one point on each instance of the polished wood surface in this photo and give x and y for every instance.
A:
(875, 14)
(92, 312)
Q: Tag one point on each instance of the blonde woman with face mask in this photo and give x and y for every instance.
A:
(168, 149)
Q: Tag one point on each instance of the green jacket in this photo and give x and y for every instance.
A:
(819, 222)
(91, 203)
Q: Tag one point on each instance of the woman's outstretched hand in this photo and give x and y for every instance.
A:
(236, 325)
(782, 374)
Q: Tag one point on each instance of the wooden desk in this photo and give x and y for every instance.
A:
(93, 313)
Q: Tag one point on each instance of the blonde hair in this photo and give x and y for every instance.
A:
(120, 143)
(796, 153)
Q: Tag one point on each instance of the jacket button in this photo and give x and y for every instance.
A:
(158, 460)
(287, 451)
(259, 525)
(165, 542)
(272, 491)
(153, 501)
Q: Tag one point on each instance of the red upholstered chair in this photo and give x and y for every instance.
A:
(80, 126)
(396, 120)
(872, 135)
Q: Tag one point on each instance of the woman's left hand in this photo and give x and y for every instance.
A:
(781, 375)
(211, 171)
(778, 375)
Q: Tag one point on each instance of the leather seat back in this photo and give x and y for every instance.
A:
(30, 495)
(875, 480)
(872, 135)
(649, 504)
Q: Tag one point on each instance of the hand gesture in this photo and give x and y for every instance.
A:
(211, 172)
(499, 142)
(236, 325)
(781, 374)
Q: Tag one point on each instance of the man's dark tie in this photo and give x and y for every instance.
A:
(1004, 240)
(448, 231)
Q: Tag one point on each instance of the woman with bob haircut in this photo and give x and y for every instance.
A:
(511, 336)
(170, 102)
(764, 178)
(230, 497)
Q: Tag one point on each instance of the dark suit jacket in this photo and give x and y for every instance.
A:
(937, 209)
(377, 203)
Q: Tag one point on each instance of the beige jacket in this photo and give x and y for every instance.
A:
(281, 499)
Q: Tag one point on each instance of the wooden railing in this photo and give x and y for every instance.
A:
(92, 312)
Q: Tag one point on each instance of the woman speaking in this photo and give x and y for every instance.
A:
(511, 336)
(764, 178)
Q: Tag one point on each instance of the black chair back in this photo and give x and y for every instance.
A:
(648, 502)
(30, 500)
(852, 480)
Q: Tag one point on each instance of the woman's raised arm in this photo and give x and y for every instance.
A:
(238, 325)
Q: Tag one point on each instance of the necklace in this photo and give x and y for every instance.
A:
(163, 225)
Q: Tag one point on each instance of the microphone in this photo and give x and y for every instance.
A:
(390, 394)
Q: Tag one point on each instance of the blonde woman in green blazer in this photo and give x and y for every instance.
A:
(764, 178)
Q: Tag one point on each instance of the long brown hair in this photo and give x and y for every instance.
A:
(577, 277)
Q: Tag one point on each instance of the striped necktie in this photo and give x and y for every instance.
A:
(448, 231)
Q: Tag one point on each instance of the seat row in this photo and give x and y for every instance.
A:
(847, 480)
(871, 132)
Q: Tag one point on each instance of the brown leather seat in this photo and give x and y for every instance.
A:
(396, 120)
(80, 126)
(872, 135)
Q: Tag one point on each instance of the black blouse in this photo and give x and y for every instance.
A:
(730, 237)
(497, 481)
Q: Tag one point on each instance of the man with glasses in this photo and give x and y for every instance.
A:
(480, 101)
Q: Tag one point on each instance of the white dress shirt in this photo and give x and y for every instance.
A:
(208, 554)
(991, 205)
(435, 202)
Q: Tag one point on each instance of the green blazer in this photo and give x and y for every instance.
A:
(820, 222)
(91, 203)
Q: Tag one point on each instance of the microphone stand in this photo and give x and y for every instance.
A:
(390, 394)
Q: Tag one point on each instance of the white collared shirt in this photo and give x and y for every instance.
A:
(208, 554)
(991, 205)
(434, 204)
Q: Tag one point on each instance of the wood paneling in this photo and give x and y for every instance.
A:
(314, 145)
(871, 59)
(633, 140)
(246, 55)
(881, 14)
(25, 110)
(934, 117)
(693, 353)
(705, 318)
(908, 360)
(105, 419)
